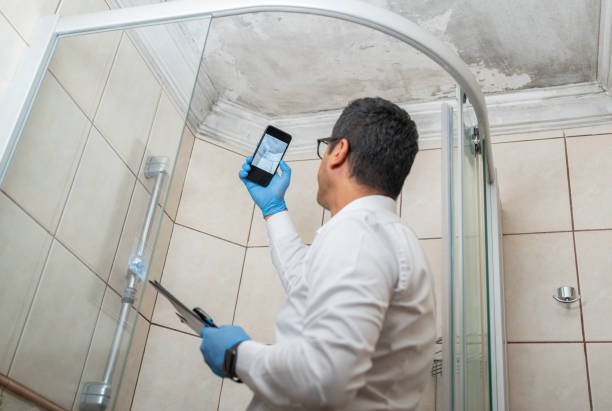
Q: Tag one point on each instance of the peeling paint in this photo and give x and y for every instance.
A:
(438, 23)
(496, 81)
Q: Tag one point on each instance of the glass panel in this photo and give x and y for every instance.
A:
(74, 202)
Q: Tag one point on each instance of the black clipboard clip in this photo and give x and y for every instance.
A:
(195, 319)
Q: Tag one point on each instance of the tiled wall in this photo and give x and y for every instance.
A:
(219, 259)
(556, 195)
(72, 205)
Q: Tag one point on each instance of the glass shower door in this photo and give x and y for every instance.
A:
(81, 200)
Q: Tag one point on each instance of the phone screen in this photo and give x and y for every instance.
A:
(269, 153)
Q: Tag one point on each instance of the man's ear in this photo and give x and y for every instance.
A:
(339, 154)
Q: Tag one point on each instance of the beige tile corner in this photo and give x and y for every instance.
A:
(26, 15)
(23, 250)
(128, 104)
(192, 386)
(261, 296)
(202, 271)
(421, 206)
(64, 320)
(535, 265)
(234, 396)
(97, 206)
(40, 172)
(600, 374)
(214, 199)
(533, 186)
(547, 377)
(594, 254)
(590, 171)
(587, 131)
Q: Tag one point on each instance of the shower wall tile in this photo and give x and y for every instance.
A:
(542, 135)
(100, 346)
(25, 15)
(594, 253)
(97, 206)
(433, 253)
(202, 271)
(12, 52)
(214, 199)
(174, 376)
(234, 396)
(547, 377)
(53, 349)
(533, 186)
(301, 200)
(600, 372)
(180, 171)
(535, 265)
(421, 204)
(41, 171)
(23, 249)
(127, 245)
(587, 131)
(590, 171)
(261, 296)
(82, 64)
(128, 104)
(165, 137)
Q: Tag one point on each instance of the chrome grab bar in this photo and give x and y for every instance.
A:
(96, 395)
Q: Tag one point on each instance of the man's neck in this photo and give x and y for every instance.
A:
(349, 195)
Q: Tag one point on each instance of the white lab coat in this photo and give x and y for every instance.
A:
(356, 331)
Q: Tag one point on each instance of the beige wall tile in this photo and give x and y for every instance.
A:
(594, 253)
(180, 171)
(600, 373)
(174, 376)
(97, 205)
(261, 296)
(234, 396)
(82, 63)
(25, 15)
(586, 131)
(542, 135)
(40, 173)
(301, 200)
(214, 199)
(13, 402)
(535, 265)
(590, 171)
(128, 104)
(130, 236)
(433, 252)
(53, 349)
(202, 271)
(102, 340)
(547, 377)
(23, 251)
(422, 193)
(165, 137)
(533, 184)
(12, 52)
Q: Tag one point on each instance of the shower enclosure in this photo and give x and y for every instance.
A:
(86, 182)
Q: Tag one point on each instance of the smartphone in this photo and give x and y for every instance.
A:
(268, 155)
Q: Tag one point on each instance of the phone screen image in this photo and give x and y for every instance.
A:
(269, 153)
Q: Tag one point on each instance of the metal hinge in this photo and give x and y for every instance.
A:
(474, 135)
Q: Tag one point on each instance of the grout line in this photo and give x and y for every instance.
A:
(242, 268)
(59, 3)
(141, 163)
(180, 196)
(429, 238)
(539, 232)
(220, 391)
(528, 140)
(208, 234)
(545, 342)
(162, 272)
(174, 329)
(144, 349)
(217, 145)
(569, 189)
(14, 28)
(599, 342)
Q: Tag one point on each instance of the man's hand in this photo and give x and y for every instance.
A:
(216, 340)
(269, 199)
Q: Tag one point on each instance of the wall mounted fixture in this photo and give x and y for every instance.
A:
(566, 295)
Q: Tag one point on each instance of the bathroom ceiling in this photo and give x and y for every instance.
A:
(280, 63)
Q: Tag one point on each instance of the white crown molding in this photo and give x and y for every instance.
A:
(604, 61)
(525, 111)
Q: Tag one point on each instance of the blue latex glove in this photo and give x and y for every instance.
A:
(270, 199)
(216, 340)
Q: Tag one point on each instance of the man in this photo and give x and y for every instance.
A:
(356, 330)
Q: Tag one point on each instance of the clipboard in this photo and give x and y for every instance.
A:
(195, 319)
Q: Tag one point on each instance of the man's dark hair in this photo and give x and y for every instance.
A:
(382, 143)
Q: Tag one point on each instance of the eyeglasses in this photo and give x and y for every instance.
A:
(322, 144)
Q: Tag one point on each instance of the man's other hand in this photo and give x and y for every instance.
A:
(270, 199)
